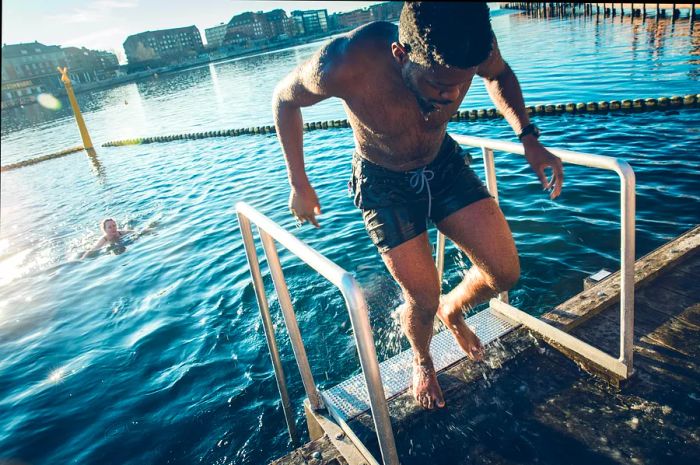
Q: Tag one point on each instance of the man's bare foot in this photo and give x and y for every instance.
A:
(426, 389)
(465, 337)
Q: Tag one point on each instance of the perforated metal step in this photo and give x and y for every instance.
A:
(350, 397)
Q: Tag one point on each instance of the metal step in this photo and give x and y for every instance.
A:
(350, 398)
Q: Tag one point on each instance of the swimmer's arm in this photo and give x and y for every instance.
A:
(505, 92)
(124, 232)
(327, 74)
(98, 245)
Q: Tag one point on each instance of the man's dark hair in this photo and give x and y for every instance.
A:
(454, 34)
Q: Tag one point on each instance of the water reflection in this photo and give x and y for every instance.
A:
(97, 167)
(215, 85)
(14, 119)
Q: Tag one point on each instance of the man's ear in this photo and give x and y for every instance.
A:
(399, 52)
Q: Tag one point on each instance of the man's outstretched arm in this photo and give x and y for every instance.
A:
(311, 82)
(504, 89)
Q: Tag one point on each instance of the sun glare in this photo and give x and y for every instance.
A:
(57, 375)
(49, 101)
(11, 266)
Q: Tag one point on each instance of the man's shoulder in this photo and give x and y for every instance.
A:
(375, 30)
(361, 43)
(371, 35)
(342, 62)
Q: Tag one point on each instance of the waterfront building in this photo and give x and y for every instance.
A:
(163, 47)
(281, 25)
(311, 21)
(87, 65)
(29, 69)
(215, 35)
(252, 25)
(353, 18)
(387, 11)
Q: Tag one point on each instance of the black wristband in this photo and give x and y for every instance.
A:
(530, 129)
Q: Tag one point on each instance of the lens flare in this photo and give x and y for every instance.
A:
(49, 101)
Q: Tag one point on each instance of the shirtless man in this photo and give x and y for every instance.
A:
(399, 87)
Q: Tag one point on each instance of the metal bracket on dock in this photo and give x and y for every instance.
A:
(568, 344)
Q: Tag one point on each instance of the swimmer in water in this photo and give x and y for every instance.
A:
(111, 236)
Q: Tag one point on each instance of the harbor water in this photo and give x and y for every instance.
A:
(155, 354)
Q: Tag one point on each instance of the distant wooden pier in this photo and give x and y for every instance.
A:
(655, 10)
(529, 403)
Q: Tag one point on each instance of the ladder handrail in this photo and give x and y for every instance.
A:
(357, 306)
(357, 309)
(627, 220)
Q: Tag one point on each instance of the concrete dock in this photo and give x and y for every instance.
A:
(528, 403)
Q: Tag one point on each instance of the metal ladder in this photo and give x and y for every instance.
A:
(379, 382)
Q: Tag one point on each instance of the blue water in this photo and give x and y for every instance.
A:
(157, 355)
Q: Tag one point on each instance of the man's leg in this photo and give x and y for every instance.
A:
(411, 264)
(481, 231)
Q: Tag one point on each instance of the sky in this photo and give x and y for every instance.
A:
(105, 24)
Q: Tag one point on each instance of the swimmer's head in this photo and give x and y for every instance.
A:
(109, 228)
(440, 44)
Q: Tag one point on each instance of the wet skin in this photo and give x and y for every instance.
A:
(399, 112)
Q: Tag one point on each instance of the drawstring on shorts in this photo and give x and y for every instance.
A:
(420, 179)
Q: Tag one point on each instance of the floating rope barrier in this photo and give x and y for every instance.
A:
(624, 106)
(33, 161)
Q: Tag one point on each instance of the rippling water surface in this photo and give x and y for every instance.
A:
(157, 354)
